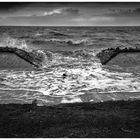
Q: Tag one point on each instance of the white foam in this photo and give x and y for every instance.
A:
(71, 100)
(80, 80)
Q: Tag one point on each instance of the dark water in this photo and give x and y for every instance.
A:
(71, 51)
(71, 38)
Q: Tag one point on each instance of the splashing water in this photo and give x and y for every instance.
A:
(14, 43)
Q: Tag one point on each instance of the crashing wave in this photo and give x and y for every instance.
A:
(14, 43)
(77, 42)
(69, 58)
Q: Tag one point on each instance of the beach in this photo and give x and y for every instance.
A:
(69, 82)
(113, 119)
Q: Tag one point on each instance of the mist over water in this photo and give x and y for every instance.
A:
(69, 51)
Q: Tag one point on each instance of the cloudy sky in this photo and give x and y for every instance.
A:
(70, 14)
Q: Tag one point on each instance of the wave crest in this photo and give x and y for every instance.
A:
(71, 41)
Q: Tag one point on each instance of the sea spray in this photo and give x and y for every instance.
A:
(7, 41)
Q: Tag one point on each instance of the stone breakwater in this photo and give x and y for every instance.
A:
(33, 57)
(106, 55)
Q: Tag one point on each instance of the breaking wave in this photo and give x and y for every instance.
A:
(7, 41)
(69, 58)
(71, 41)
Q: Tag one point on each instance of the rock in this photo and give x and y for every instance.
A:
(106, 55)
(33, 57)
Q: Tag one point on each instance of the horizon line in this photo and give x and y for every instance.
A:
(71, 25)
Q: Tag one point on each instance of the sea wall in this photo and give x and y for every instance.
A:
(12, 61)
(108, 54)
(33, 57)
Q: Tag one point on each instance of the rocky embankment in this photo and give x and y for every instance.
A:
(33, 57)
(106, 55)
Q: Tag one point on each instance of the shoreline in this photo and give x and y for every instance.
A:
(21, 97)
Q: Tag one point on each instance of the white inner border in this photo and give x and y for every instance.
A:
(69, 0)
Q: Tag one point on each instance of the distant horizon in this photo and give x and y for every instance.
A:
(67, 26)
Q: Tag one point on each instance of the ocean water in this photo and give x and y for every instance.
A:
(70, 51)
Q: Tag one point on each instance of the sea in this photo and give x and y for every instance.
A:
(71, 72)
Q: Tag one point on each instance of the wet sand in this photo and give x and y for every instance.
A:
(117, 119)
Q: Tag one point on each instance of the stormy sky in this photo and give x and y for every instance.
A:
(70, 14)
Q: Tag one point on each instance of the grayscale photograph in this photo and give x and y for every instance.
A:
(69, 70)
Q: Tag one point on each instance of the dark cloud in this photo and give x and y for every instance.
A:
(69, 13)
(136, 11)
(12, 6)
(60, 11)
(72, 11)
(125, 12)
